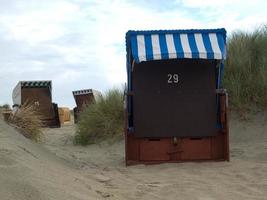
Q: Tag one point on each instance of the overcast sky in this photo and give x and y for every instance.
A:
(80, 44)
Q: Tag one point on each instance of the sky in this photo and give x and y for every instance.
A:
(80, 44)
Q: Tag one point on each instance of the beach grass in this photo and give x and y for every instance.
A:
(102, 120)
(245, 75)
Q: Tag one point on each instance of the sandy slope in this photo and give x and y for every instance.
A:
(59, 170)
(245, 177)
(30, 172)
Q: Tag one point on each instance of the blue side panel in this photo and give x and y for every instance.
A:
(131, 48)
(217, 74)
(218, 77)
(178, 46)
(129, 86)
(207, 44)
(221, 42)
(148, 45)
(193, 45)
(221, 74)
(163, 46)
(134, 48)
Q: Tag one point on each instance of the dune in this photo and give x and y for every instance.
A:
(59, 170)
(30, 172)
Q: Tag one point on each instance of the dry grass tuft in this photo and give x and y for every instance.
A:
(28, 121)
(5, 107)
(5, 111)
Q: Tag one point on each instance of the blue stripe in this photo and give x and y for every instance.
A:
(178, 46)
(193, 45)
(134, 48)
(202, 31)
(163, 46)
(148, 45)
(207, 44)
(221, 44)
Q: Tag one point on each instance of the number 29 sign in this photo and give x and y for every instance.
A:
(173, 78)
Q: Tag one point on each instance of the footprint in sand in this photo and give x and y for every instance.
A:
(104, 194)
(102, 178)
(5, 159)
(106, 181)
(153, 184)
(143, 189)
(5, 151)
(235, 152)
(262, 156)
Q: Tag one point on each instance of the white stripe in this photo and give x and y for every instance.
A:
(170, 46)
(200, 45)
(156, 47)
(215, 46)
(141, 47)
(185, 45)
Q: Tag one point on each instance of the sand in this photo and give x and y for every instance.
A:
(59, 170)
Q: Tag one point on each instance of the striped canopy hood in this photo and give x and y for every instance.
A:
(17, 91)
(36, 84)
(176, 44)
(95, 93)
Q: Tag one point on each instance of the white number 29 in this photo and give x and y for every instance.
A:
(173, 78)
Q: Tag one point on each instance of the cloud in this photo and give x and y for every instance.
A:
(81, 44)
(231, 14)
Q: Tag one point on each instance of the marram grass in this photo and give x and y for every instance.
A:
(245, 75)
(102, 120)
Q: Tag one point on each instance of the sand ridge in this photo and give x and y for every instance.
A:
(29, 171)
